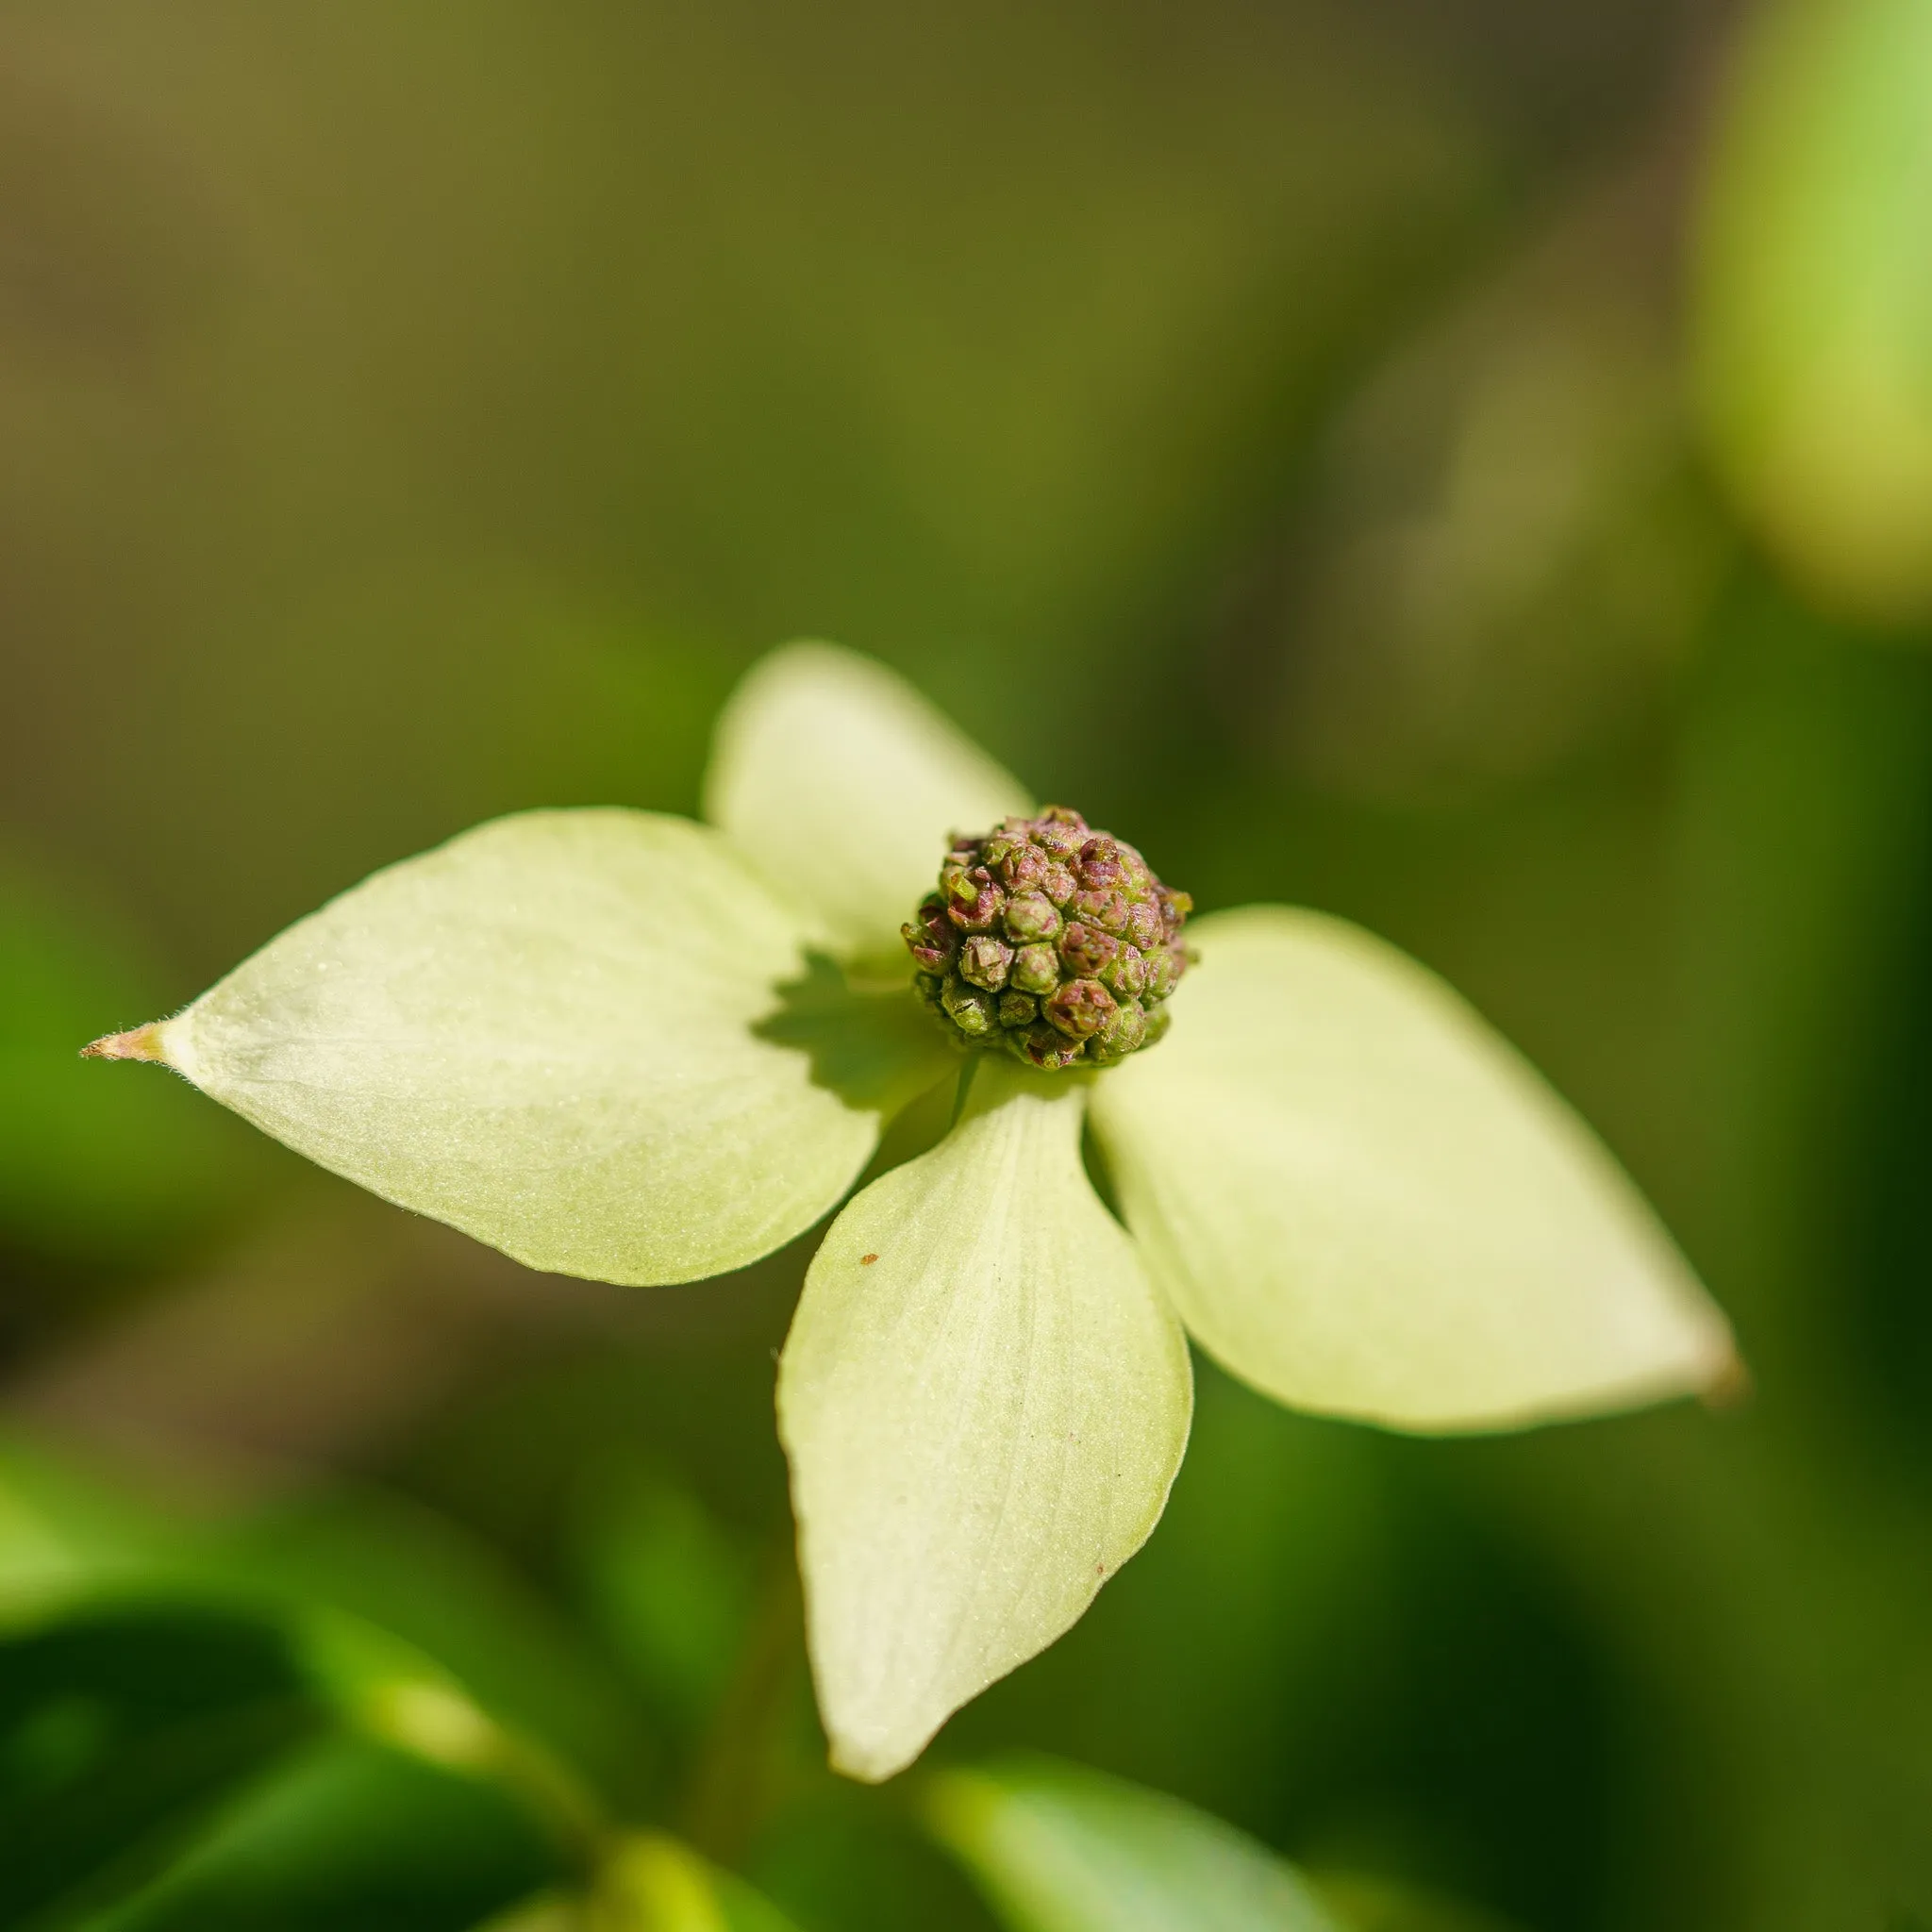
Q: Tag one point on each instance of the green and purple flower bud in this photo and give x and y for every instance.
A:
(972, 1009)
(1060, 832)
(930, 936)
(1024, 868)
(985, 962)
(1045, 1047)
(1049, 939)
(1123, 1033)
(1036, 969)
(1086, 950)
(1106, 909)
(1165, 965)
(974, 899)
(1147, 929)
(1080, 1009)
(1031, 917)
(1126, 974)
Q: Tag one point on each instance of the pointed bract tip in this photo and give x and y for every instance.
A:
(138, 1043)
(867, 1767)
(1731, 1387)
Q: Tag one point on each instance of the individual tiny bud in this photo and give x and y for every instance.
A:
(1040, 1046)
(1086, 950)
(1018, 1009)
(1163, 970)
(1175, 906)
(1145, 926)
(1126, 974)
(928, 986)
(1137, 875)
(1022, 868)
(1060, 832)
(1100, 865)
(1106, 909)
(931, 939)
(1057, 882)
(974, 899)
(973, 1011)
(1080, 1009)
(1159, 1021)
(1121, 1035)
(1035, 968)
(983, 960)
(1031, 917)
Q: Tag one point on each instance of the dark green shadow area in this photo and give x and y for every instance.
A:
(121, 1728)
(873, 1046)
(175, 1761)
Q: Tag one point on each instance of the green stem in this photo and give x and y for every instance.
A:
(963, 1091)
(732, 1783)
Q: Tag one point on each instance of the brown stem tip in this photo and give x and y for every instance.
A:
(138, 1043)
(1732, 1388)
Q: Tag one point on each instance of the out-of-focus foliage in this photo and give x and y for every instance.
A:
(1065, 1851)
(1432, 463)
(190, 1741)
(1817, 284)
(176, 1753)
(651, 1883)
(1514, 550)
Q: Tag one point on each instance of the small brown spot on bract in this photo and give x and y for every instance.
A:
(866, 1260)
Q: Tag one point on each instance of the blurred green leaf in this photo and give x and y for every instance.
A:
(151, 1744)
(842, 1858)
(1059, 1849)
(120, 1727)
(422, 1577)
(1817, 296)
(1512, 554)
(379, 1564)
(546, 1911)
(349, 1834)
(652, 1883)
(59, 1529)
(671, 1590)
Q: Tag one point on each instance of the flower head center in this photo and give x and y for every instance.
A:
(1051, 941)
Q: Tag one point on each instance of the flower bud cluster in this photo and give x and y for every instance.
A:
(1049, 941)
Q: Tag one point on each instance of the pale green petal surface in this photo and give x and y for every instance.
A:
(1365, 1202)
(844, 785)
(1060, 1849)
(984, 1404)
(543, 1033)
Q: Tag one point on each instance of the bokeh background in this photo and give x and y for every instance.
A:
(1463, 464)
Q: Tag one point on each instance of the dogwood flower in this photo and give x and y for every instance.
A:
(625, 1046)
